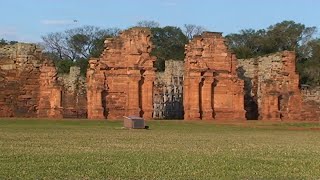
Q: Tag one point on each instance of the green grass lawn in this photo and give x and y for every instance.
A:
(82, 149)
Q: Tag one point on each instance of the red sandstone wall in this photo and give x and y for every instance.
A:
(212, 89)
(120, 82)
(50, 92)
(27, 84)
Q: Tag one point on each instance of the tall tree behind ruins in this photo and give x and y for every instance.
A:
(76, 46)
(286, 35)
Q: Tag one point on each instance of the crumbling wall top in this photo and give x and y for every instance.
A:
(131, 49)
(19, 49)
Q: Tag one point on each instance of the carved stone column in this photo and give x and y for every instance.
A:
(133, 108)
(55, 103)
(238, 101)
(186, 98)
(206, 97)
(97, 105)
(95, 109)
(147, 94)
(194, 96)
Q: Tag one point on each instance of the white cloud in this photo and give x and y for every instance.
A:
(57, 22)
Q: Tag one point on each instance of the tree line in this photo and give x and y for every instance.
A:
(74, 47)
(286, 35)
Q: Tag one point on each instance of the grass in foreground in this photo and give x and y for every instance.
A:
(34, 149)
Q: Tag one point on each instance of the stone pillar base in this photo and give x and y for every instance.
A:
(207, 115)
(194, 115)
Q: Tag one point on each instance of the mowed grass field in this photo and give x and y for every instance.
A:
(82, 149)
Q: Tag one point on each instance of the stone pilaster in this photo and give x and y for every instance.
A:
(206, 97)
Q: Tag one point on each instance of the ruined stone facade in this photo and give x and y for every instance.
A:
(272, 87)
(120, 82)
(211, 84)
(27, 83)
(168, 91)
(73, 94)
(212, 89)
(310, 110)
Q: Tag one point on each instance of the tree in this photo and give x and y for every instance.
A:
(191, 30)
(286, 35)
(169, 44)
(248, 43)
(309, 69)
(3, 42)
(78, 44)
(82, 42)
(148, 24)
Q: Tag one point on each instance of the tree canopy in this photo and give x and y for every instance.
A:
(76, 46)
(286, 35)
(169, 44)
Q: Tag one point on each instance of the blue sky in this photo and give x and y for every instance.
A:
(28, 20)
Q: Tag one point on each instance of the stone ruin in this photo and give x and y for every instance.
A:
(272, 88)
(211, 84)
(30, 87)
(120, 82)
(73, 94)
(168, 91)
(310, 109)
(212, 89)
(27, 83)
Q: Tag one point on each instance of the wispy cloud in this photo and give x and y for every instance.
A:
(58, 22)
